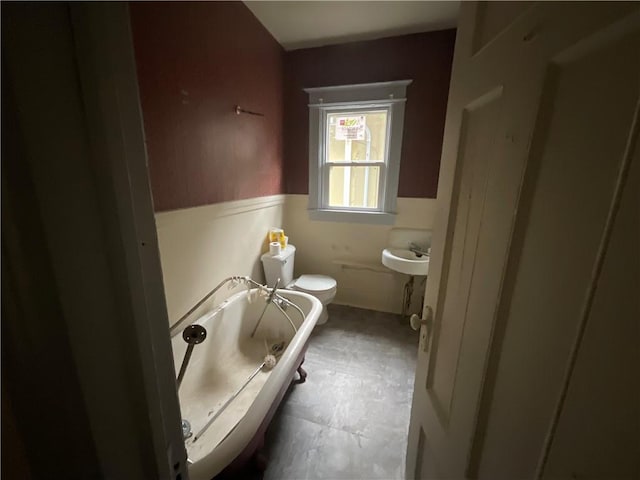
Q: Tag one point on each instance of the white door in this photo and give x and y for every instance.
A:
(540, 111)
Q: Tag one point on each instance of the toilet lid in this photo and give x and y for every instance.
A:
(315, 283)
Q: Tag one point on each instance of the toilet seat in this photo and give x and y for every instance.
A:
(315, 284)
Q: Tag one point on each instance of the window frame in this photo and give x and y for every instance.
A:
(389, 96)
(325, 166)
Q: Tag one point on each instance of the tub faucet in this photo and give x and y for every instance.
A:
(273, 292)
(269, 300)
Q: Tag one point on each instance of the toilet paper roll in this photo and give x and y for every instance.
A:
(275, 248)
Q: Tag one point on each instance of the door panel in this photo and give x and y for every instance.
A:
(536, 123)
(478, 137)
(575, 157)
(598, 433)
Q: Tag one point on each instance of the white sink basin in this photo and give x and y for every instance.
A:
(405, 261)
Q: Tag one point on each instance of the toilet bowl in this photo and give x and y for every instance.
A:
(280, 267)
(320, 286)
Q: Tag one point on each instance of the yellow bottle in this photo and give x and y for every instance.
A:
(277, 235)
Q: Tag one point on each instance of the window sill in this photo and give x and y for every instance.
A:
(353, 216)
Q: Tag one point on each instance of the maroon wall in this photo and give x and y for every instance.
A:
(425, 58)
(195, 62)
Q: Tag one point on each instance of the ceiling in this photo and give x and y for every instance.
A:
(312, 24)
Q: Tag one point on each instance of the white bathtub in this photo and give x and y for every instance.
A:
(222, 364)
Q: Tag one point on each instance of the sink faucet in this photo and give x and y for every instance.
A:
(418, 250)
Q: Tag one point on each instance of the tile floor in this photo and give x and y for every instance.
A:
(350, 419)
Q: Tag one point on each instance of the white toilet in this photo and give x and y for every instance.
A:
(281, 266)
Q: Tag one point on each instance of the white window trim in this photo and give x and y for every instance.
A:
(387, 95)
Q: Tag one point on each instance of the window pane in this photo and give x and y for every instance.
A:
(357, 136)
(354, 186)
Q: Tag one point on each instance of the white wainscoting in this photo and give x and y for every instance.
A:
(201, 246)
(345, 250)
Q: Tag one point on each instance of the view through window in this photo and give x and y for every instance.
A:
(356, 157)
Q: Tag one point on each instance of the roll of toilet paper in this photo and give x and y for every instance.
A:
(275, 248)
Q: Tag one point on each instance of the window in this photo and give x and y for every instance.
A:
(355, 140)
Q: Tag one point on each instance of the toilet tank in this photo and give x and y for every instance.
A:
(279, 266)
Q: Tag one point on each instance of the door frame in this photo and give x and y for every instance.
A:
(91, 184)
(107, 70)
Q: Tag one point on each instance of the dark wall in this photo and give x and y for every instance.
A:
(425, 58)
(195, 62)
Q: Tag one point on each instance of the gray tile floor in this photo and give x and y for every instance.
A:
(350, 419)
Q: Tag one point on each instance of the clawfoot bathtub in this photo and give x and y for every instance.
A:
(226, 380)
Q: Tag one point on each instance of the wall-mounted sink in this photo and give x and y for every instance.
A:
(405, 261)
